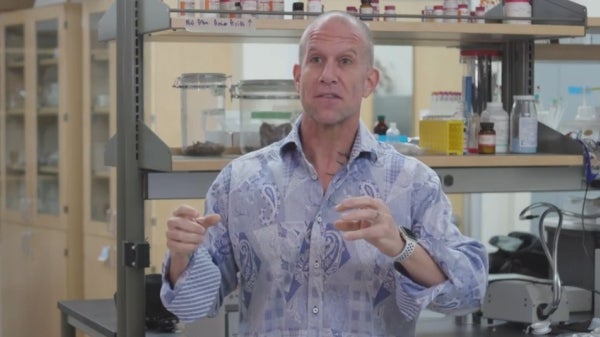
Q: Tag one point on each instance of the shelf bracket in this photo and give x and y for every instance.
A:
(155, 154)
(136, 255)
(154, 17)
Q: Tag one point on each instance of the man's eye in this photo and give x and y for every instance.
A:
(346, 60)
(315, 59)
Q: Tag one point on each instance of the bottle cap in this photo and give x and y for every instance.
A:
(298, 6)
(381, 118)
(487, 125)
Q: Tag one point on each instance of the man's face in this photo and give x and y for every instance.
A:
(334, 74)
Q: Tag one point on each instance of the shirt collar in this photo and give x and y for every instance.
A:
(365, 143)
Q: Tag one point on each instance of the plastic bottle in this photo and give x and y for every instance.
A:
(380, 128)
(495, 113)
(473, 133)
(393, 134)
(523, 125)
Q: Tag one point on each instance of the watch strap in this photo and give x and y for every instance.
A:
(409, 248)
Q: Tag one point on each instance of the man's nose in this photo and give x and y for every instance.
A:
(329, 73)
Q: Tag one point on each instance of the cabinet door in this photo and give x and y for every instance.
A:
(47, 124)
(33, 280)
(98, 124)
(16, 192)
(100, 267)
(15, 275)
(55, 85)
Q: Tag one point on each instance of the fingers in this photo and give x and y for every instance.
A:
(186, 229)
(209, 220)
(186, 211)
(360, 202)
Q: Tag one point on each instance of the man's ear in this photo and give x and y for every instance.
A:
(296, 72)
(371, 82)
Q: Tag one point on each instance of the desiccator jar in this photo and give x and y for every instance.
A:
(203, 129)
(267, 111)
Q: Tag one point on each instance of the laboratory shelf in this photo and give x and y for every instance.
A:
(384, 32)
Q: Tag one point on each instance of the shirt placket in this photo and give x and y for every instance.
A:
(315, 281)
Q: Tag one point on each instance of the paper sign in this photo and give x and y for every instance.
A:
(219, 24)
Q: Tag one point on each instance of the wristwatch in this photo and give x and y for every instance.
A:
(409, 247)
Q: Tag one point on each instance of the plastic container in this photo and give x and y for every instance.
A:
(496, 114)
(389, 10)
(482, 71)
(203, 123)
(392, 134)
(267, 111)
(441, 136)
(523, 125)
(519, 9)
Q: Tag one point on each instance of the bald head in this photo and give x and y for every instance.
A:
(338, 16)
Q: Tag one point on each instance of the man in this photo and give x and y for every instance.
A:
(312, 230)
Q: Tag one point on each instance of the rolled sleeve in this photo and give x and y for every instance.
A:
(196, 292)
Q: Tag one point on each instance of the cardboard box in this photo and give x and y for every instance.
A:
(12, 5)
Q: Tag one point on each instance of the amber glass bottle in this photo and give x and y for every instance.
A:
(380, 128)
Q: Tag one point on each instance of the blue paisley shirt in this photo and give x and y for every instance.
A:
(296, 275)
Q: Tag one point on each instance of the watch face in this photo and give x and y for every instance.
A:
(405, 232)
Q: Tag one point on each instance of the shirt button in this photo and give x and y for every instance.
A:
(314, 177)
(319, 219)
(316, 264)
(315, 310)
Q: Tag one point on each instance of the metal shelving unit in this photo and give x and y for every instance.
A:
(147, 168)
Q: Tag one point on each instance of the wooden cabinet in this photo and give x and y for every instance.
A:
(99, 181)
(41, 166)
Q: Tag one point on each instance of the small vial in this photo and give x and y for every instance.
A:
(427, 12)
(390, 10)
(366, 10)
(298, 7)
(438, 10)
(184, 5)
(238, 7)
(463, 13)
(249, 5)
(480, 14)
(352, 10)
(226, 5)
(314, 6)
(375, 5)
(451, 9)
(487, 138)
(277, 6)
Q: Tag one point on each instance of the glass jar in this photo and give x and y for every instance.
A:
(523, 125)
(203, 129)
(487, 138)
(267, 111)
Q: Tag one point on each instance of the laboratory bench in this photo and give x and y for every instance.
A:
(98, 318)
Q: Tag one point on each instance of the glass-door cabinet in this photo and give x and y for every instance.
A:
(42, 115)
(99, 79)
(16, 197)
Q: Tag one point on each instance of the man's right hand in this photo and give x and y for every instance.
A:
(185, 232)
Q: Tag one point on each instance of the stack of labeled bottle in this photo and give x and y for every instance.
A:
(500, 134)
